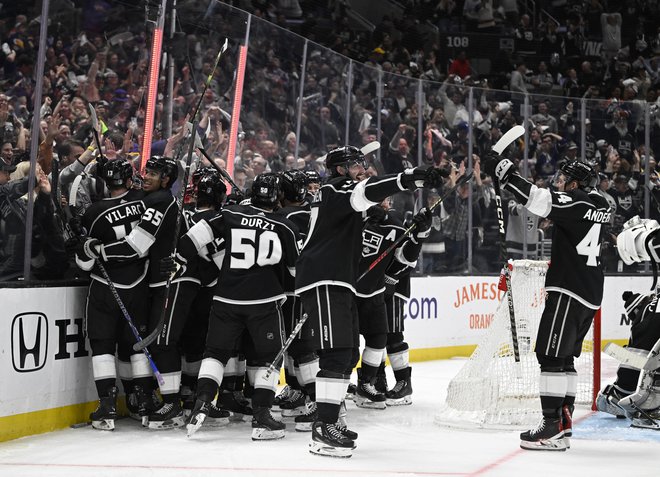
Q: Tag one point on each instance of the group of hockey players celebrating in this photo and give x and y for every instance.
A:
(216, 302)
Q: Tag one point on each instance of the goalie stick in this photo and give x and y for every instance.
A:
(287, 343)
(461, 180)
(140, 345)
(504, 142)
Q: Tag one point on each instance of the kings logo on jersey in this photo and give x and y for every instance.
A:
(370, 243)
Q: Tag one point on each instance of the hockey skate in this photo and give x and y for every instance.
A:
(547, 436)
(342, 424)
(367, 397)
(329, 441)
(187, 399)
(283, 396)
(264, 427)
(350, 392)
(217, 417)
(236, 404)
(197, 416)
(305, 420)
(106, 412)
(400, 394)
(608, 401)
(295, 405)
(141, 404)
(168, 416)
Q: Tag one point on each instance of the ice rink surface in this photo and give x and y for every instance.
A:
(399, 441)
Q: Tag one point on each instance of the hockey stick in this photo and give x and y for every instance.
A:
(221, 171)
(95, 125)
(287, 343)
(504, 142)
(464, 179)
(140, 345)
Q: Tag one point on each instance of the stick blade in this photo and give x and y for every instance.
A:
(369, 148)
(511, 135)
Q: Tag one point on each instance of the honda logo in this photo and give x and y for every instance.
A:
(29, 342)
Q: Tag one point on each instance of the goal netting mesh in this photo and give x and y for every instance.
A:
(492, 390)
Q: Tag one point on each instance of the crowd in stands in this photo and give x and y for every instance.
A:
(98, 54)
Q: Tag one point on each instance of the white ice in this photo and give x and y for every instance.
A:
(401, 441)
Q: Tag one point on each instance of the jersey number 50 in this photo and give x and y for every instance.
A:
(248, 248)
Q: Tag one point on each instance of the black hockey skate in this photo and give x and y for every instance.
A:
(283, 395)
(168, 416)
(368, 397)
(106, 412)
(400, 394)
(140, 404)
(350, 392)
(329, 441)
(217, 417)
(305, 421)
(294, 405)
(264, 427)
(567, 423)
(547, 436)
(381, 382)
(234, 402)
(197, 416)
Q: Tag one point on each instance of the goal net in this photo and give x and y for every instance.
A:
(494, 391)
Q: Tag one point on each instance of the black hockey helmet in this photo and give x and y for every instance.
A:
(313, 177)
(344, 156)
(579, 171)
(293, 185)
(166, 166)
(211, 189)
(116, 173)
(265, 190)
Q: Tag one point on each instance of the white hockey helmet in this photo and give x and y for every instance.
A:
(631, 241)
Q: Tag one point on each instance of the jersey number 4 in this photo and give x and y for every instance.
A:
(589, 246)
(249, 248)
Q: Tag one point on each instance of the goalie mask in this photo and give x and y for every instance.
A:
(631, 242)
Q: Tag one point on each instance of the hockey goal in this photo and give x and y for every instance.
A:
(492, 390)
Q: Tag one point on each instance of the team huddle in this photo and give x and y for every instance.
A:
(224, 295)
(219, 299)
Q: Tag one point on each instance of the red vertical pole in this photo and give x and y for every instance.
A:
(236, 111)
(597, 355)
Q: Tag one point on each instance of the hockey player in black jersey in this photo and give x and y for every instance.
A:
(151, 237)
(108, 221)
(261, 249)
(381, 230)
(325, 279)
(574, 284)
(301, 362)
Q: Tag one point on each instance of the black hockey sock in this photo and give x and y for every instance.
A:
(189, 381)
(402, 374)
(368, 372)
(262, 398)
(228, 383)
(127, 384)
(173, 397)
(328, 413)
(291, 379)
(147, 384)
(239, 382)
(103, 386)
(206, 389)
(310, 390)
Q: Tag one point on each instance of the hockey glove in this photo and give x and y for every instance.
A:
(376, 214)
(423, 220)
(430, 178)
(174, 266)
(497, 166)
(90, 249)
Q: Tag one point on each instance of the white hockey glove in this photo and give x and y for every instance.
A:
(631, 242)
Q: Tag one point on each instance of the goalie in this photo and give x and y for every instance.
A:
(635, 394)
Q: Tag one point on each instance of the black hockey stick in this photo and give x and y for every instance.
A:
(504, 142)
(220, 170)
(140, 345)
(464, 179)
(274, 365)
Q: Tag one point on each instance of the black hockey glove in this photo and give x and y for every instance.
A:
(376, 214)
(174, 266)
(423, 220)
(498, 167)
(90, 249)
(430, 178)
